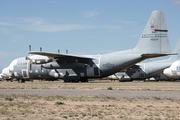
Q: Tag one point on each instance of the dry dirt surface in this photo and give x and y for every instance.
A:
(95, 85)
(90, 101)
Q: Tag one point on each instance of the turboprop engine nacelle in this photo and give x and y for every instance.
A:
(38, 59)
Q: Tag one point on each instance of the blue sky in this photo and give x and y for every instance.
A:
(79, 26)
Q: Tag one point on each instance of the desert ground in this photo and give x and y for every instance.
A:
(39, 107)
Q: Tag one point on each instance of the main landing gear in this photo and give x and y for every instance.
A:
(21, 81)
(76, 81)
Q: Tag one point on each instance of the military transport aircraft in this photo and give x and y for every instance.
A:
(123, 77)
(1, 77)
(142, 71)
(44, 65)
(174, 70)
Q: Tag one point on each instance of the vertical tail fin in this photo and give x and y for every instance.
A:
(154, 38)
(176, 50)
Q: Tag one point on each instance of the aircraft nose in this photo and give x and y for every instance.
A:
(167, 72)
(5, 71)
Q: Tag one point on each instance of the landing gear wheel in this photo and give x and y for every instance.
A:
(66, 81)
(84, 80)
(75, 81)
(21, 81)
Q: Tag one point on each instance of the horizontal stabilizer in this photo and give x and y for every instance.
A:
(152, 55)
(162, 30)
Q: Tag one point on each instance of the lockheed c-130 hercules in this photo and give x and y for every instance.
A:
(45, 65)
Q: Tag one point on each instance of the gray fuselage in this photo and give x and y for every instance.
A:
(101, 66)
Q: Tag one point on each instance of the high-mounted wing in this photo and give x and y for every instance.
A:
(64, 57)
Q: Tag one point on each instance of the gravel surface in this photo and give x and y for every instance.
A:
(73, 92)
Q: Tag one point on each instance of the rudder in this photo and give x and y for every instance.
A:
(154, 38)
(176, 50)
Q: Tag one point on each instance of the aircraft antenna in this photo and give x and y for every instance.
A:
(58, 51)
(41, 49)
(30, 49)
(66, 51)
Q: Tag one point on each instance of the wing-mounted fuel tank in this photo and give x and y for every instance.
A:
(38, 59)
(63, 65)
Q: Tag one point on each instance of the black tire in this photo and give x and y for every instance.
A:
(75, 81)
(66, 81)
(21, 81)
(84, 80)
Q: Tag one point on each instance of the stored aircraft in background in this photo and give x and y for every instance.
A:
(174, 70)
(123, 77)
(162, 77)
(1, 76)
(44, 65)
(142, 71)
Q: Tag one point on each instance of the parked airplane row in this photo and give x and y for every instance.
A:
(153, 43)
(142, 71)
(2, 77)
(174, 70)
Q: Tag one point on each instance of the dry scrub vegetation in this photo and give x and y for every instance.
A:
(96, 84)
(85, 108)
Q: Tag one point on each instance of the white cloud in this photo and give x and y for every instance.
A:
(7, 24)
(45, 27)
(92, 14)
(41, 25)
(8, 54)
(176, 2)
